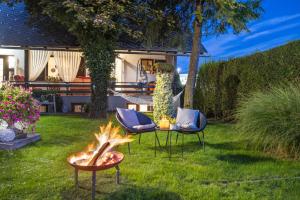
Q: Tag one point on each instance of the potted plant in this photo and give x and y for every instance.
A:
(18, 109)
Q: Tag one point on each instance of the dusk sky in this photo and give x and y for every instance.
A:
(279, 24)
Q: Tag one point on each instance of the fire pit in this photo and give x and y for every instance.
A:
(100, 156)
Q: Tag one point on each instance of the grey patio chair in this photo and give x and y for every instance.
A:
(201, 124)
(143, 121)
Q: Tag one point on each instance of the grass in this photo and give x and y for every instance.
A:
(275, 116)
(224, 171)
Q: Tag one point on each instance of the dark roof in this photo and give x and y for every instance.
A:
(17, 30)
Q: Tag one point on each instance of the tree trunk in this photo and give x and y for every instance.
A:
(99, 57)
(194, 60)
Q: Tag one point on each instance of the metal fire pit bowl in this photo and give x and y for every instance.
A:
(95, 168)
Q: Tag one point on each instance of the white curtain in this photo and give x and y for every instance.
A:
(37, 63)
(67, 64)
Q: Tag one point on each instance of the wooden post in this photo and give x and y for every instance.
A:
(26, 68)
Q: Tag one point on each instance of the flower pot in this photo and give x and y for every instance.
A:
(20, 134)
(7, 135)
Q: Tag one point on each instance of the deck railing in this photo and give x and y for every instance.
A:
(72, 88)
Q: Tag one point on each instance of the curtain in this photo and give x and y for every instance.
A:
(67, 64)
(37, 63)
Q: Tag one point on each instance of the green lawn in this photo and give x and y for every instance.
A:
(224, 171)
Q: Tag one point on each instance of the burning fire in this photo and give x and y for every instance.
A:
(100, 153)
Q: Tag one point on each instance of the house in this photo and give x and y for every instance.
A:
(42, 59)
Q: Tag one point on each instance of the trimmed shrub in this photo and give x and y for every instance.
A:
(221, 84)
(163, 96)
(271, 120)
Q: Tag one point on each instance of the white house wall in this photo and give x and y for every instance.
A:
(20, 58)
(130, 62)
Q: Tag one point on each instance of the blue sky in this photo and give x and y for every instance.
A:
(279, 24)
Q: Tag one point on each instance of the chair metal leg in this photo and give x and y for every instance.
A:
(155, 144)
(176, 138)
(182, 145)
(128, 144)
(170, 148)
(157, 139)
(167, 138)
(140, 138)
(203, 143)
(199, 138)
(128, 148)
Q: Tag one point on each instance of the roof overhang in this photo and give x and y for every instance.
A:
(123, 51)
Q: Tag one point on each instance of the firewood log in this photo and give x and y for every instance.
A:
(93, 161)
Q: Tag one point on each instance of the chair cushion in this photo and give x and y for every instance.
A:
(128, 117)
(187, 118)
(143, 127)
(143, 119)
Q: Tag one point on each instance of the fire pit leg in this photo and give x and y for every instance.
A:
(76, 179)
(118, 175)
(93, 185)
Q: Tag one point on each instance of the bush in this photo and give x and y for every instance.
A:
(164, 67)
(220, 84)
(163, 97)
(271, 120)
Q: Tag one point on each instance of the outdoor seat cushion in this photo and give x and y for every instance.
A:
(144, 127)
(187, 118)
(129, 117)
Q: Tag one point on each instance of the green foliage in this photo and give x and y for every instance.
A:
(164, 67)
(215, 17)
(220, 15)
(176, 84)
(220, 85)
(98, 25)
(163, 96)
(270, 120)
(99, 54)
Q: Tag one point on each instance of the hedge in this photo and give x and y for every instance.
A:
(220, 85)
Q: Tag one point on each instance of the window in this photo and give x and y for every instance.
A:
(143, 108)
(4, 68)
(43, 76)
(148, 65)
(82, 71)
(132, 106)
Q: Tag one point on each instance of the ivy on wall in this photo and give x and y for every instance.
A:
(99, 55)
(220, 85)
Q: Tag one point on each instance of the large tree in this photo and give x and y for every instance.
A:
(215, 17)
(98, 25)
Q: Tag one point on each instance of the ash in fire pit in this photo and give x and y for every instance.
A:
(100, 155)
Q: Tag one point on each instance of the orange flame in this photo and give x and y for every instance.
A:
(106, 140)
